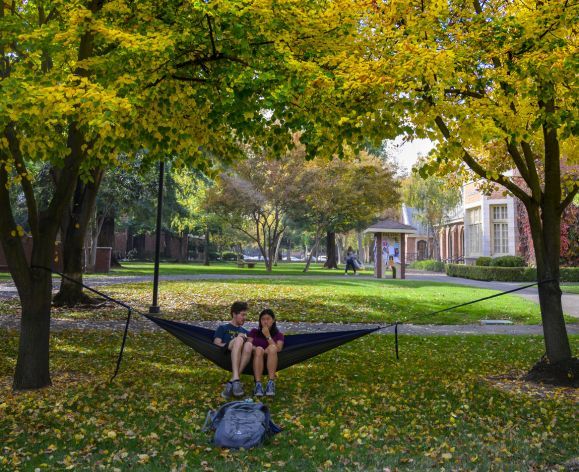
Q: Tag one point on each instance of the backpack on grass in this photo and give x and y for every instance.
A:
(240, 424)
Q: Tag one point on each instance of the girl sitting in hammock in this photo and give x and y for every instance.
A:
(268, 341)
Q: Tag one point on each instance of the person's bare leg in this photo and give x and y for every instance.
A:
(271, 361)
(258, 363)
(235, 346)
(245, 356)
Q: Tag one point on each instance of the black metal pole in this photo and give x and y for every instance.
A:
(154, 308)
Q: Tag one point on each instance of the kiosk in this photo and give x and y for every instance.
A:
(389, 246)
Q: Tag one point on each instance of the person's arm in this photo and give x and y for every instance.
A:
(219, 342)
(218, 339)
(272, 342)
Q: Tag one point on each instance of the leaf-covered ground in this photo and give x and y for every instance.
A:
(353, 408)
(305, 299)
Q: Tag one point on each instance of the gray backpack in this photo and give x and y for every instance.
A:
(240, 424)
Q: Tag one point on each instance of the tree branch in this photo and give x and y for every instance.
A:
(530, 160)
(31, 205)
(518, 159)
(569, 198)
(13, 248)
(479, 170)
(213, 48)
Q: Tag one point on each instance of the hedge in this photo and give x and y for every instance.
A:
(428, 264)
(229, 256)
(483, 261)
(502, 261)
(506, 274)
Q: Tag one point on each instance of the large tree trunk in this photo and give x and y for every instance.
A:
(331, 261)
(33, 364)
(545, 224)
(76, 224)
(545, 230)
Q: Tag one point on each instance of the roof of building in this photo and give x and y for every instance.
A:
(390, 226)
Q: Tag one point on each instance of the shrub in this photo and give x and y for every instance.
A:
(428, 264)
(506, 274)
(214, 256)
(508, 261)
(229, 256)
(569, 274)
(483, 261)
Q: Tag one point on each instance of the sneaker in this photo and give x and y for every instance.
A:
(227, 391)
(237, 388)
(258, 390)
(270, 388)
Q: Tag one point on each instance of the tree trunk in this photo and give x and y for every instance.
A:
(315, 248)
(76, 224)
(545, 231)
(361, 246)
(278, 244)
(331, 262)
(289, 249)
(32, 366)
(107, 237)
(206, 254)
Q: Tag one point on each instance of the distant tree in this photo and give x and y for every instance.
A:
(253, 198)
(340, 195)
(433, 199)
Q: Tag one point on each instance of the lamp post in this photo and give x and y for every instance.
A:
(154, 308)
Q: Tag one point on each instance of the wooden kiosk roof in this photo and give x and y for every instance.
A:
(390, 226)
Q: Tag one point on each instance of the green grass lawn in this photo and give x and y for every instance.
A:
(225, 268)
(228, 268)
(314, 299)
(353, 408)
(570, 289)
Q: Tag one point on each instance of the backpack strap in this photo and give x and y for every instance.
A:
(208, 425)
(272, 428)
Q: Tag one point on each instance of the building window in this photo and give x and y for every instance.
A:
(474, 231)
(500, 227)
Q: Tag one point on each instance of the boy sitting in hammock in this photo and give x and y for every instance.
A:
(232, 337)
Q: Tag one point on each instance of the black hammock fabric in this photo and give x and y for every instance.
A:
(296, 348)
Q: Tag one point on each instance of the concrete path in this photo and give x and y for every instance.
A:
(570, 301)
(139, 324)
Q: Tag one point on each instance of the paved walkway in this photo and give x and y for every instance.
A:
(139, 324)
(570, 300)
(570, 306)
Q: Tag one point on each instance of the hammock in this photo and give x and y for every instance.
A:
(296, 348)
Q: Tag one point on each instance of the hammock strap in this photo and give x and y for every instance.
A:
(120, 358)
(396, 340)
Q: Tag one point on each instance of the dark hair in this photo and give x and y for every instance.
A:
(273, 330)
(238, 307)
